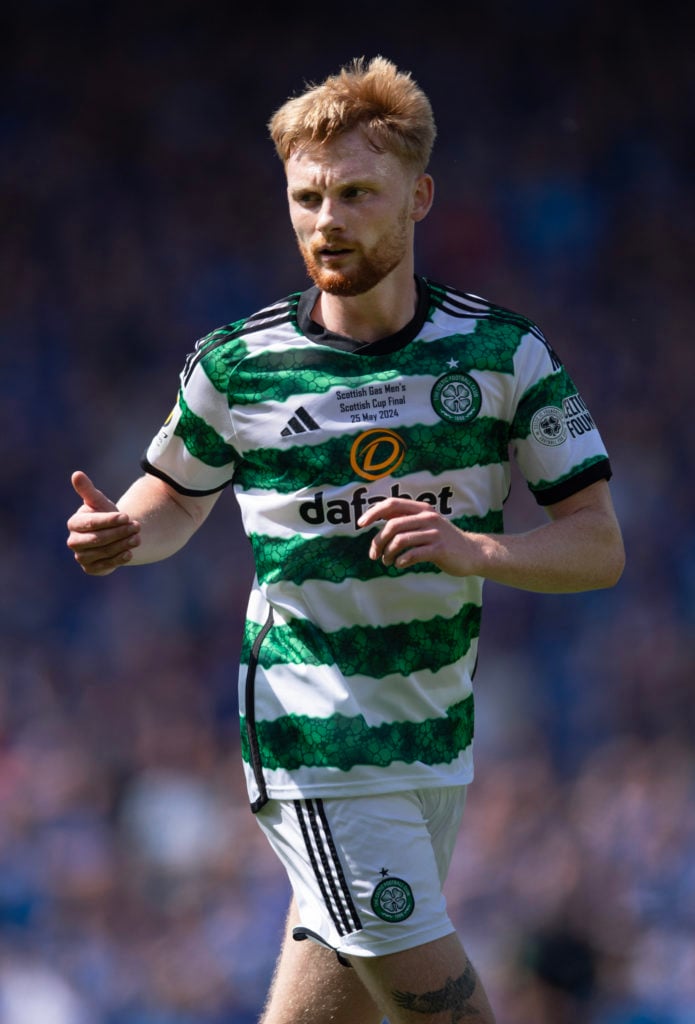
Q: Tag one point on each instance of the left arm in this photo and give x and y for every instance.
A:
(580, 548)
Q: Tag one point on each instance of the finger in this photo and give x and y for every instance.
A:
(405, 548)
(98, 545)
(417, 519)
(97, 561)
(383, 538)
(86, 530)
(390, 508)
(91, 495)
(103, 567)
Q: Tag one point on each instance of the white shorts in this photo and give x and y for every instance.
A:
(367, 872)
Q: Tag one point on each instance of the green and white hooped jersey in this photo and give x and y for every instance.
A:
(357, 678)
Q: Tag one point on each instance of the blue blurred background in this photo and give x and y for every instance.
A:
(142, 206)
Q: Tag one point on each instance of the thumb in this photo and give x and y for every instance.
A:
(91, 496)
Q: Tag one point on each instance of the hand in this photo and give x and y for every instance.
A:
(415, 532)
(100, 536)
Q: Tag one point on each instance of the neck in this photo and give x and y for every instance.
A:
(377, 314)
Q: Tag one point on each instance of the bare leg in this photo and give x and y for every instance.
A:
(431, 984)
(310, 986)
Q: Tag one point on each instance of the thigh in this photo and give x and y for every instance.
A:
(435, 982)
(310, 986)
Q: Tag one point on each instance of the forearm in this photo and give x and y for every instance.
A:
(580, 552)
(166, 521)
(580, 548)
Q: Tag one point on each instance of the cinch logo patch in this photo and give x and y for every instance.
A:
(376, 453)
(164, 433)
(393, 900)
(456, 398)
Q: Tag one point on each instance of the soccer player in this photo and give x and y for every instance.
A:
(366, 426)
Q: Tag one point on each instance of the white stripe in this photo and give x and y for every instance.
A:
(387, 601)
(364, 779)
(265, 513)
(321, 691)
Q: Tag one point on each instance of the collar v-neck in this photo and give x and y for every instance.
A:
(392, 343)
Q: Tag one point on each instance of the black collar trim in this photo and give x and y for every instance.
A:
(318, 334)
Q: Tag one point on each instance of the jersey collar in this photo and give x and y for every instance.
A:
(318, 334)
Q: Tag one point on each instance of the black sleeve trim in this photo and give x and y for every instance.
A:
(153, 471)
(598, 471)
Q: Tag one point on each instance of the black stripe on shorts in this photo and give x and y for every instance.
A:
(326, 865)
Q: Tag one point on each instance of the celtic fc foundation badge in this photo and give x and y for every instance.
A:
(456, 397)
(392, 900)
(548, 426)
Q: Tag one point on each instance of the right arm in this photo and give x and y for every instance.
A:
(150, 522)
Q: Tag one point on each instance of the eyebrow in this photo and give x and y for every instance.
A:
(363, 182)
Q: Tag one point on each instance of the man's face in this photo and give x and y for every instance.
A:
(353, 211)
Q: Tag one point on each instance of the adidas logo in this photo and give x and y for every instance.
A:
(299, 423)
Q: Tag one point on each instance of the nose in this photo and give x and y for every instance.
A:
(329, 219)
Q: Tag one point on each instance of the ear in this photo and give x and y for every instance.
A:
(423, 197)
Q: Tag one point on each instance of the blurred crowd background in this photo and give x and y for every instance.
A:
(142, 206)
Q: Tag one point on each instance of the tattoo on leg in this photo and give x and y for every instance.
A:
(454, 996)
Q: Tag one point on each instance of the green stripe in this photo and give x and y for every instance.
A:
(334, 559)
(201, 440)
(307, 370)
(300, 371)
(431, 448)
(219, 352)
(295, 741)
(490, 347)
(549, 391)
(374, 651)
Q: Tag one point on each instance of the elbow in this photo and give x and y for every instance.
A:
(613, 562)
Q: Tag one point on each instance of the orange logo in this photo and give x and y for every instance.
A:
(376, 453)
